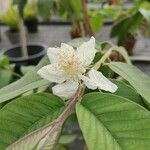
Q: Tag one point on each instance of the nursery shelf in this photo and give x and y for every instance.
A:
(140, 58)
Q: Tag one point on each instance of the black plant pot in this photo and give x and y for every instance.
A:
(32, 25)
(35, 53)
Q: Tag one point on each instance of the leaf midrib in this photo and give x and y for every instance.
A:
(30, 128)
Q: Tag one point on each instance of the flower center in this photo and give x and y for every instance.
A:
(71, 64)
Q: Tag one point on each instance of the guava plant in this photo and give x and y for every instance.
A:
(110, 99)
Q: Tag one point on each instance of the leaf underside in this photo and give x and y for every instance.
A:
(27, 114)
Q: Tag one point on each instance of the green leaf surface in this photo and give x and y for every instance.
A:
(45, 8)
(146, 14)
(27, 114)
(67, 139)
(135, 77)
(4, 61)
(20, 4)
(126, 24)
(28, 82)
(111, 122)
(43, 138)
(5, 77)
(97, 22)
(128, 92)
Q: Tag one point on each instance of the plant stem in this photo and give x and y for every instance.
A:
(86, 18)
(57, 124)
(102, 60)
(23, 39)
(71, 105)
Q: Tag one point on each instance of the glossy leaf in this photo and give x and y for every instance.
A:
(135, 77)
(111, 122)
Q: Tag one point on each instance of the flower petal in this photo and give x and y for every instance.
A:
(88, 82)
(66, 90)
(52, 73)
(87, 51)
(101, 81)
(53, 54)
(66, 47)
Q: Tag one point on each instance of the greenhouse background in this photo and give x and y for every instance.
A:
(29, 27)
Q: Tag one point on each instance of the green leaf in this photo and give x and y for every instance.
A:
(44, 8)
(128, 92)
(76, 6)
(5, 77)
(127, 25)
(111, 122)
(28, 82)
(26, 114)
(5, 71)
(97, 21)
(4, 61)
(146, 14)
(67, 139)
(26, 69)
(135, 77)
(60, 147)
(43, 138)
(20, 4)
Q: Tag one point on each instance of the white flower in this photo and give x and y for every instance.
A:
(68, 68)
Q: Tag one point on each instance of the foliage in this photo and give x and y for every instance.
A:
(25, 117)
(130, 21)
(28, 82)
(120, 120)
(20, 4)
(96, 19)
(72, 10)
(141, 82)
(30, 10)
(11, 18)
(6, 71)
(112, 122)
(45, 8)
